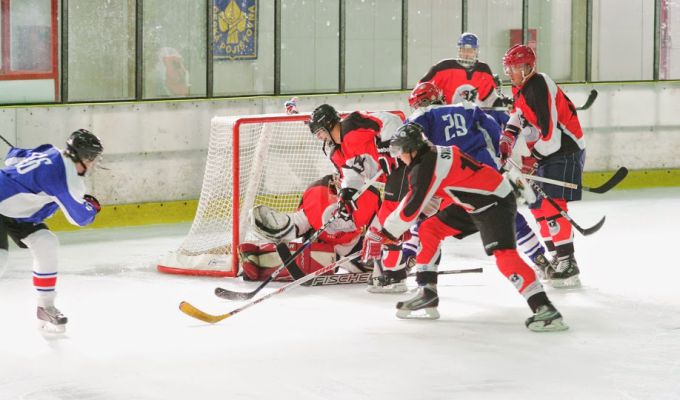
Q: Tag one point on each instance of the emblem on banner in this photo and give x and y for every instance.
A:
(235, 29)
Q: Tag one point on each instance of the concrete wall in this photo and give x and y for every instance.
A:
(156, 151)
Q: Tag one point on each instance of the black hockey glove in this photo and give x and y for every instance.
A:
(346, 204)
(93, 202)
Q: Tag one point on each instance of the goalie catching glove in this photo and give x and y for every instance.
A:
(373, 243)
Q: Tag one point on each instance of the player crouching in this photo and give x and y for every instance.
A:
(319, 203)
(476, 198)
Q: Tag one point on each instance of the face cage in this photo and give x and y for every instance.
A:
(467, 62)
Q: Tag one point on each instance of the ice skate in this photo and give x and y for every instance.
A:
(51, 320)
(566, 273)
(425, 301)
(542, 267)
(546, 319)
(271, 225)
(388, 282)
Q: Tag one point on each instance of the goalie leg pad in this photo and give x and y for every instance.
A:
(259, 261)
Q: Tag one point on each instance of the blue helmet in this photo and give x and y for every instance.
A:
(468, 39)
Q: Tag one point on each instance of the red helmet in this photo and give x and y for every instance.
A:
(424, 94)
(519, 54)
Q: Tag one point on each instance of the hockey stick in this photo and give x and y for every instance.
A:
(584, 232)
(589, 102)
(6, 141)
(364, 277)
(194, 312)
(618, 176)
(231, 295)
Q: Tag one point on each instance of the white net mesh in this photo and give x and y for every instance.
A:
(278, 159)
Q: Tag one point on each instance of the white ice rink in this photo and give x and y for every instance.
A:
(126, 338)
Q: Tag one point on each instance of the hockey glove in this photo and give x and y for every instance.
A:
(505, 145)
(93, 202)
(529, 165)
(373, 244)
(346, 205)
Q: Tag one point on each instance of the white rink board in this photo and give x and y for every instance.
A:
(126, 339)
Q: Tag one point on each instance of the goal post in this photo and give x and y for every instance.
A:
(259, 159)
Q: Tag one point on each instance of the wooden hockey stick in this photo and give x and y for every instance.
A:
(194, 312)
(232, 295)
(584, 232)
(589, 102)
(618, 176)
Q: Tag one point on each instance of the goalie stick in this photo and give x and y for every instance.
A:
(584, 232)
(194, 312)
(296, 273)
(618, 176)
(589, 101)
(364, 277)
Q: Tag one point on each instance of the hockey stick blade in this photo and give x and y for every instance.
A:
(192, 311)
(618, 176)
(589, 102)
(364, 277)
(592, 229)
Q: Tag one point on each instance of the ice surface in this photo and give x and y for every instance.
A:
(126, 339)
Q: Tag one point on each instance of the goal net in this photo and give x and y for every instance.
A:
(265, 159)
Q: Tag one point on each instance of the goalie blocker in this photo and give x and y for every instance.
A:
(259, 260)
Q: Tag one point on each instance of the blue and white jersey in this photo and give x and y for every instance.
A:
(463, 125)
(36, 182)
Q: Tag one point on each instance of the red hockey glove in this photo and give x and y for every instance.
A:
(93, 202)
(505, 145)
(373, 243)
(346, 205)
(529, 165)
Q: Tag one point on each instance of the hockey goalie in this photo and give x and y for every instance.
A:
(319, 204)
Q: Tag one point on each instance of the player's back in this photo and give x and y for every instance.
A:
(463, 125)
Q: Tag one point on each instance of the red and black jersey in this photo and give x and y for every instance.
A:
(320, 201)
(454, 79)
(545, 106)
(357, 157)
(451, 175)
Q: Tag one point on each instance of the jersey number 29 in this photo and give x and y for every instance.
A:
(455, 126)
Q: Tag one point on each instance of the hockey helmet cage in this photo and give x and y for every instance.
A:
(323, 117)
(409, 137)
(425, 94)
(467, 41)
(83, 145)
(519, 54)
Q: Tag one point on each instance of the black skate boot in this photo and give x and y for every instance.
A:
(425, 299)
(390, 281)
(51, 319)
(566, 273)
(546, 319)
(542, 266)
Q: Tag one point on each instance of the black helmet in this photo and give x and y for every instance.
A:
(409, 137)
(83, 145)
(323, 117)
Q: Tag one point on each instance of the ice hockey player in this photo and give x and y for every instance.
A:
(557, 152)
(474, 132)
(33, 185)
(477, 198)
(318, 204)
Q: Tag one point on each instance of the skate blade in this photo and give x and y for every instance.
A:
(423, 313)
(556, 325)
(50, 328)
(568, 283)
